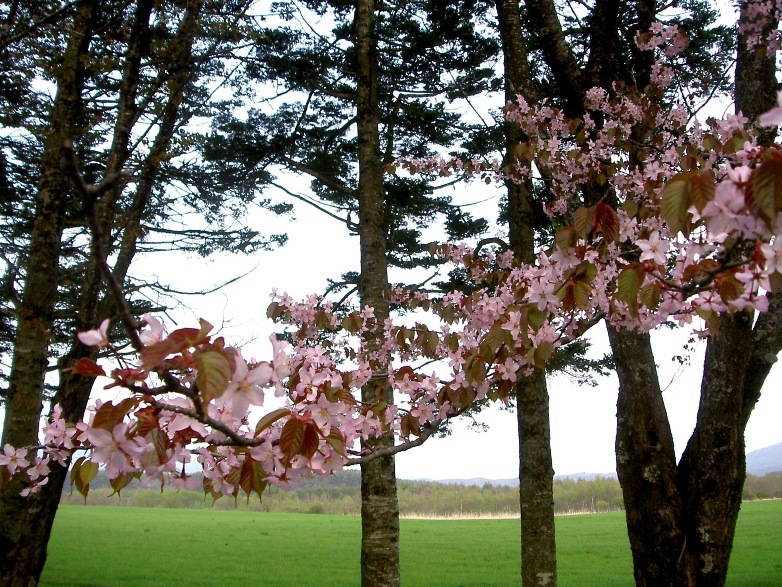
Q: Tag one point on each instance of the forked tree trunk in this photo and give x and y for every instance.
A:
(646, 466)
(700, 515)
(379, 505)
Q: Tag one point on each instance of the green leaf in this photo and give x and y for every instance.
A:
(650, 295)
(582, 221)
(337, 441)
(677, 199)
(629, 282)
(214, 373)
(543, 352)
(119, 483)
(566, 238)
(582, 290)
(492, 342)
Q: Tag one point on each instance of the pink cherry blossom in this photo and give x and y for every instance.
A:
(97, 337)
(653, 248)
(13, 458)
(118, 451)
(246, 386)
(155, 332)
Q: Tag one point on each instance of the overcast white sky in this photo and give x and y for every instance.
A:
(582, 418)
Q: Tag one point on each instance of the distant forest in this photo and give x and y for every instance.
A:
(340, 494)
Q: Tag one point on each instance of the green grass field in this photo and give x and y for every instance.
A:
(128, 547)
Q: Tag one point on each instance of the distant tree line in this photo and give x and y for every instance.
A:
(341, 495)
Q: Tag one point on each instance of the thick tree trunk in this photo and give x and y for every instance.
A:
(646, 466)
(536, 482)
(379, 505)
(74, 391)
(536, 474)
(20, 564)
(713, 466)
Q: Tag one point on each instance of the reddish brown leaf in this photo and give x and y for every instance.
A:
(606, 221)
(88, 368)
(252, 477)
(311, 440)
(270, 419)
(766, 190)
(291, 437)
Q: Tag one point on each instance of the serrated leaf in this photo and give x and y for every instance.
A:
(291, 438)
(606, 221)
(270, 419)
(566, 238)
(121, 482)
(535, 317)
(336, 441)
(582, 291)
(429, 346)
(475, 369)
(729, 287)
(631, 208)
(214, 373)
(650, 295)
(310, 441)
(702, 188)
(252, 477)
(766, 189)
(109, 415)
(543, 352)
(677, 199)
(711, 318)
(492, 341)
(629, 282)
(410, 426)
(582, 221)
(88, 471)
(82, 473)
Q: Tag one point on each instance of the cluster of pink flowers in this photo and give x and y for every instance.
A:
(693, 230)
(757, 26)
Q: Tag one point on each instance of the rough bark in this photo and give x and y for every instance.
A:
(754, 90)
(379, 505)
(646, 466)
(536, 474)
(557, 53)
(74, 391)
(713, 466)
(35, 318)
(536, 482)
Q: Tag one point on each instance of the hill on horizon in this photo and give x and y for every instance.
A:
(759, 462)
